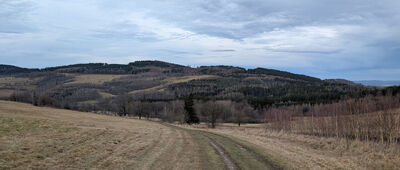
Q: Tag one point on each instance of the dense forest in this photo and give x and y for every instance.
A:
(156, 89)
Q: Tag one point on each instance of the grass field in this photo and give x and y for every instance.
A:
(93, 78)
(41, 138)
(4, 93)
(13, 81)
(173, 80)
(9, 84)
(105, 95)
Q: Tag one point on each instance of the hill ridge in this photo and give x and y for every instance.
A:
(95, 85)
(141, 66)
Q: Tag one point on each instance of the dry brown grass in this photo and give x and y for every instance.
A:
(309, 152)
(106, 95)
(89, 102)
(173, 80)
(12, 81)
(41, 138)
(93, 78)
(17, 82)
(4, 93)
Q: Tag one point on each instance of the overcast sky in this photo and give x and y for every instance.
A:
(352, 39)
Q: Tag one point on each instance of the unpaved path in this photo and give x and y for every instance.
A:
(233, 153)
(250, 151)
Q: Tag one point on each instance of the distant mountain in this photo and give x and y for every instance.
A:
(343, 81)
(131, 68)
(162, 81)
(9, 69)
(380, 83)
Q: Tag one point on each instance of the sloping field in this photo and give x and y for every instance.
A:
(93, 78)
(34, 137)
(13, 81)
(10, 84)
(42, 138)
(4, 93)
(173, 80)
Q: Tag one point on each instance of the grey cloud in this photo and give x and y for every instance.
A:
(176, 52)
(306, 51)
(239, 19)
(124, 31)
(331, 33)
(117, 35)
(225, 50)
(14, 16)
(245, 18)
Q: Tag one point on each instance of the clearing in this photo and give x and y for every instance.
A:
(94, 78)
(173, 80)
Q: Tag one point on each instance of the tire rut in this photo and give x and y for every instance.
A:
(219, 147)
(229, 163)
(258, 157)
(254, 154)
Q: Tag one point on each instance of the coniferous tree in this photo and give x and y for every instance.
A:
(190, 114)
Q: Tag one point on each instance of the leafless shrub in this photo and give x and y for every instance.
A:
(369, 118)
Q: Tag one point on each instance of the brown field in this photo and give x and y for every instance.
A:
(12, 81)
(93, 78)
(5, 93)
(105, 95)
(173, 80)
(41, 138)
(7, 83)
(183, 79)
(88, 102)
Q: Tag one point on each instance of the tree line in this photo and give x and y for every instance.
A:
(369, 117)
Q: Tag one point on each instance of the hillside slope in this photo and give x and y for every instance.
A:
(41, 138)
(160, 81)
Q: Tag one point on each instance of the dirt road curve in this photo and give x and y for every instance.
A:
(247, 151)
(233, 153)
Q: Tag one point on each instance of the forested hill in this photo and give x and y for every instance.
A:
(93, 83)
(9, 69)
(156, 67)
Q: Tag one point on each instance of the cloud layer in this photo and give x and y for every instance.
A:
(357, 39)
